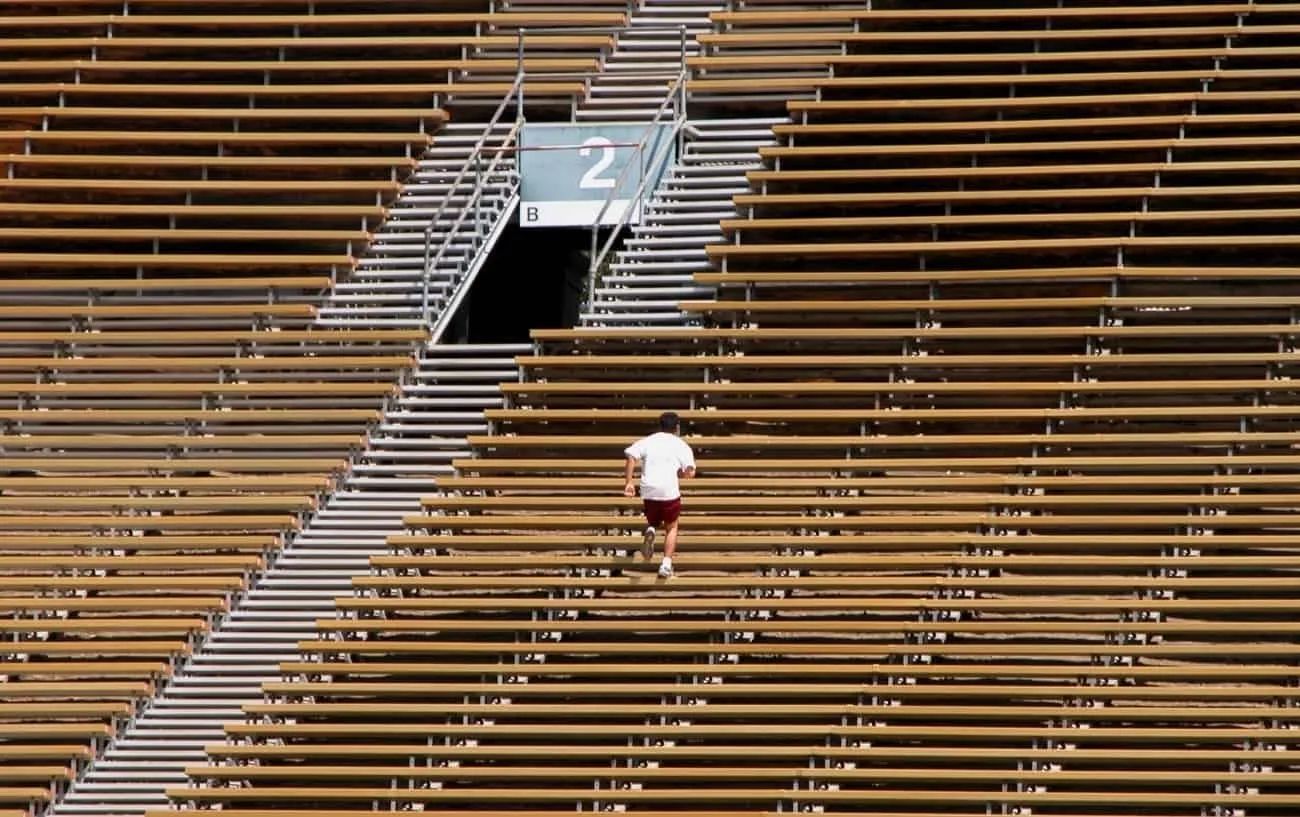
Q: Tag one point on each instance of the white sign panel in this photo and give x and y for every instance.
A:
(568, 171)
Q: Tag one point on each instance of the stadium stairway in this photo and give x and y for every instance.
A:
(647, 57)
(442, 402)
(655, 269)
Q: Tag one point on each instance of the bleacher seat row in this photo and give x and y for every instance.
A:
(181, 184)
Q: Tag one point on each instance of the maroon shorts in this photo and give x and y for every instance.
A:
(662, 512)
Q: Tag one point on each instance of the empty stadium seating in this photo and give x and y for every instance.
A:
(996, 427)
(180, 184)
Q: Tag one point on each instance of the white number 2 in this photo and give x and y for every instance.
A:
(591, 180)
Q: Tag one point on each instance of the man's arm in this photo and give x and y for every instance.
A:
(629, 474)
(687, 471)
(633, 454)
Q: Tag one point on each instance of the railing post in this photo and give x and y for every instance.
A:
(598, 251)
(519, 77)
(479, 183)
(681, 99)
(428, 253)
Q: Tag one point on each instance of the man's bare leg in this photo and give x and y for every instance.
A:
(670, 550)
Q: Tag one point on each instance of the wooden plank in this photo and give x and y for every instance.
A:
(204, 363)
(756, 17)
(869, 441)
(845, 333)
(94, 260)
(864, 522)
(938, 361)
(1180, 387)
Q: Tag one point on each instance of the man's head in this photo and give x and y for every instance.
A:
(670, 422)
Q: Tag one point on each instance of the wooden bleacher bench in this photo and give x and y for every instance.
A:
(201, 442)
(222, 283)
(759, 16)
(988, 713)
(136, 565)
(94, 137)
(99, 543)
(258, 483)
(97, 669)
(826, 334)
(280, 161)
(742, 583)
(155, 388)
(676, 649)
(773, 442)
(27, 710)
(849, 278)
(756, 546)
(1038, 798)
(428, 43)
(821, 362)
(379, 753)
(841, 606)
(100, 647)
(432, 117)
(712, 773)
(206, 364)
(575, 732)
(181, 522)
(176, 583)
(794, 38)
(716, 57)
(168, 261)
(104, 697)
(180, 234)
(862, 223)
(722, 252)
(100, 627)
(10, 773)
(619, 626)
(1049, 124)
(821, 84)
(166, 465)
(352, 21)
(300, 311)
(1007, 172)
(806, 388)
(202, 337)
(206, 605)
(871, 467)
(380, 65)
(207, 91)
(848, 504)
(640, 417)
(892, 522)
(798, 486)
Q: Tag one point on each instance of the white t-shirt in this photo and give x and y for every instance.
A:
(662, 455)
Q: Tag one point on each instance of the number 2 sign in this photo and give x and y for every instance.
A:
(568, 171)
(592, 180)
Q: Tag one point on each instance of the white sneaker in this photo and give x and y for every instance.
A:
(648, 542)
(665, 570)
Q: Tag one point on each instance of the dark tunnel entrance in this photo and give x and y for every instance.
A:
(533, 279)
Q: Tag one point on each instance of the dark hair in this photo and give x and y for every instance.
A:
(669, 421)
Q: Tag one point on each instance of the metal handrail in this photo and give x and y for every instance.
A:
(598, 257)
(474, 204)
(471, 163)
(477, 192)
(598, 253)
